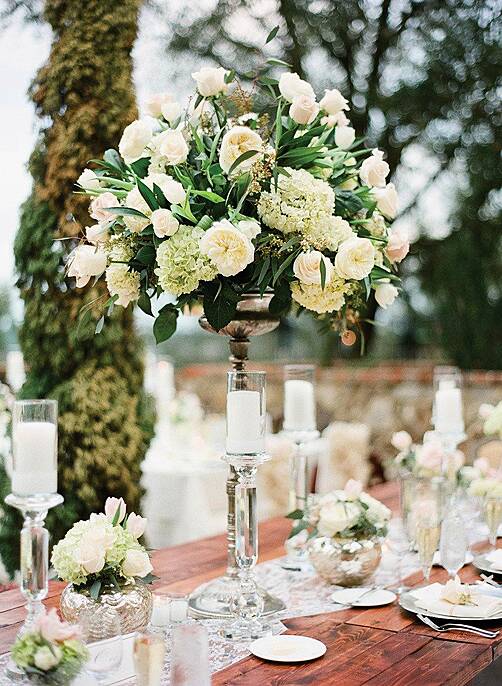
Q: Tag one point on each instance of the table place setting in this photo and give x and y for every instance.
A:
(490, 562)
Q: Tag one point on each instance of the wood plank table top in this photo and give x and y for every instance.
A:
(378, 647)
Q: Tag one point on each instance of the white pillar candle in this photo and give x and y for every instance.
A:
(245, 424)
(160, 611)
(35, 458)
(299, 405)
(178, 609)
(448, 417)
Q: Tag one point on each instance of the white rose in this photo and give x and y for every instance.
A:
(98, 207)
(307, 268)
(134, 140)
(377, 512)
(88, 180)
(210, 81)
(249, 228)
(401, 440)
(86, 261)
(303, 109)
(173, 146)
(163, 104)
(355, 258)
(386, 199)
(291, 86)
(333, 102)
(173, 190)
(237, 141)
(96, 234)
(134, 200)
(335, 517)
(227, 247)
(339, 119)
(91, 553)
(46, 658)
(374, 170)
(344, 136)
(136, 525)
(136, 563)
(171, 111)
(385, 294)
(164, 223)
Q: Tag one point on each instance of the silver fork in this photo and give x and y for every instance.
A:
(458, 627)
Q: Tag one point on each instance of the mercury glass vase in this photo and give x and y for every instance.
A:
(345, 562)
(133, 603)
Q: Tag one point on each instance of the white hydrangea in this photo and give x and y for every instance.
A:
(122, 281)
(301, 204)
(181, 264)
(314, 297)
(120, 248)
(376, 225)
(328, 235)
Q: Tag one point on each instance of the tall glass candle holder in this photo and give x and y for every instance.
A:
(245, 451)
(448, 418)
(300, 427)
(34, 493)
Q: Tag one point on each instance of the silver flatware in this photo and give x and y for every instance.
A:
(457, 627)
(490, 580)
(357, 600)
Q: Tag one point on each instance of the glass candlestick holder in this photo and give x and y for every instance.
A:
(300, 427)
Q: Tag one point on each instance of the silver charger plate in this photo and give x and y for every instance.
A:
(407, 602)
(482, 563)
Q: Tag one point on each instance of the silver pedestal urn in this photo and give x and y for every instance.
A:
(214, 598)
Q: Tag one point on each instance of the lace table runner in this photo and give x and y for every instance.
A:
(303, 594)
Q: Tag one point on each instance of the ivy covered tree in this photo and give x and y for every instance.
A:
(421, 77)
(84, 98)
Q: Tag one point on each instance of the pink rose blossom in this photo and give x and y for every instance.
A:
(398, 245)
(98, 207)
(430, 455)
(53, 629)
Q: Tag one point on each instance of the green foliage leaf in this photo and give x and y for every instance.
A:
(126, 211)
(146, 255)
(220, 304)
(295, 514)
(301, 526)
(242, 158)
(273, 61)
(322, 269)
(144, 303)
(95, 589)
(272, 34)
(148, 195)
(285, 265)
(99, 325)
(208, 195)
(113, 158)
(140, 167)
(165, 323)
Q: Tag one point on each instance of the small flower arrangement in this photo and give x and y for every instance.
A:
(103, 551)
(52, 652)
(426, 459)
(457, 593)
(486, 486)
(348, 514)
(492, 414)
(242, 190)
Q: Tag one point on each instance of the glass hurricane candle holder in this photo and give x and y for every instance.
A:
(300, 427)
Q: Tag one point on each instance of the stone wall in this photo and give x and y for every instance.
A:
(388, 397)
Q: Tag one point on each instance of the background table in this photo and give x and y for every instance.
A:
(378, 647)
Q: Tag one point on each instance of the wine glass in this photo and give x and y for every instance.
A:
(400, 545)
(493, 516)
(105, 655)
(427, 531)
(453, 544)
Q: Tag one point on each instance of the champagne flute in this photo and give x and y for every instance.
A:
(149, 654)
(453, 544)
(105, 655)
(427, 533)
(493, 516)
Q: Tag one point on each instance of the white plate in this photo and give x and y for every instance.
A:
(482, 563)
(349, 596)
(436, 561)
(289, 648)
(407, 602)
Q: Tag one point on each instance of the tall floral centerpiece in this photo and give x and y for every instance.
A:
(105, 565)
(258, 189)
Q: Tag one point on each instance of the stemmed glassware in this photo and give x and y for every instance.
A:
(453, 543)
(493, 516)
(105, 656)
(427, 533)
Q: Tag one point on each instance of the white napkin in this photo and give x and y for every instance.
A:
(429, 598)
(124, 673)
(495, 559)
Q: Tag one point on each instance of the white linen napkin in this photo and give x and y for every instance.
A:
(495, 559)
(429, 598)
(124, 673)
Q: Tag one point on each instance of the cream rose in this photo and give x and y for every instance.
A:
(236, 142)
(210, 81)
(98, 233)
(91, 553)
(398, 245)
(377, 512)
(339, 119)
(355, 258)
(173, 146)
(401, 440)
(88, 180)
(353, 489)
(136, 525)
(227, 248)
(98, 207)
(173, 190)
(162, 104)
(385, 294)
(344, 136)
(136, 563)
(337, 516)
(303, 109)
(307, 267)
(374, 169)
(333, 101)
(46, 658)
(386, 200)
(134, 140)
(291, 86)
(164, 223)
(249, 228)
(135, 201)
(86, 261)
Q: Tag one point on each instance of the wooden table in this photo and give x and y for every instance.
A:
(378, 647)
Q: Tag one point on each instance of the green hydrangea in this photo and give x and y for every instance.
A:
(180, 263)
